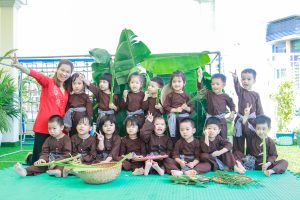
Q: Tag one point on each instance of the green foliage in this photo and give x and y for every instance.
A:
(8, 104)
(285, 104)
(7, 54)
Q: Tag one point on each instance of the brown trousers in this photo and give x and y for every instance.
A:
(226, 158)
(34, 170)
(171, 164)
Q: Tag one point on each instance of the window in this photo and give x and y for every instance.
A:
(278, 47)
(295, 46)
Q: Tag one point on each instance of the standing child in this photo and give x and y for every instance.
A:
(217, 149)
(131, 143)
(262, 128)
(246, 96)
(56, 147)
(177, 104)
(108, 144)
(186, 153)
(133, 100)
(79, 104)
(151, 103)
(157, 143)
(83, 143)
(102, 95)
(217, 100)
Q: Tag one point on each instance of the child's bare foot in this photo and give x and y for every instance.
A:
(54, 172)
(157, 168)
(239, 170)
(148, 165)
(176, 173)
(138, 171)
(269, 172)
(241, 166)
(19, 170)
(191, 172)
(66, 172)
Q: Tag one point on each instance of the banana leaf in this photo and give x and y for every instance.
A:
(168, 63)
(101, 56)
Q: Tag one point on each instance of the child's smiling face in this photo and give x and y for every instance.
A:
(177, 83)
(132, 129)
(104, 85)
(217, 85)
(135, 84)
(108, 128)
(83, 127)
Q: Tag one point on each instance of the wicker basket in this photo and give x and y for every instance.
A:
(105, 173)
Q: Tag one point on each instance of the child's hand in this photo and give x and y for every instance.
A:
(200, 74)
(83, 79)
(234, 75)
(191, 165)
(185, 107)
(100, 136)
(182, 163)
(232, 114)
(265, 166)
(247, 109)
(179, 109)
(216, 153)
(150, 117)
(113, 106)
(125, 94)
(147, 94)
(158, 106)
(206, 140)
(40, 161)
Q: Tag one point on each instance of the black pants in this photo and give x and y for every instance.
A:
(39, 140)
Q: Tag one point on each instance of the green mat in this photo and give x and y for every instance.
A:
(13, 187)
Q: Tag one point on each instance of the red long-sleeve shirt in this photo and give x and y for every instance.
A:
(52, 101)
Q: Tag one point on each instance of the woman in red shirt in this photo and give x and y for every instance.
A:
(53, 100)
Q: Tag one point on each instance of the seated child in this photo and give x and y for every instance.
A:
(186, 153)
(108, 140)
(262, 128)
(216, 149)
(79, 104)
(246, 96)
(151, 101)
(102, 94)
(177, 104)
(56, 147)
(217, 100)
(157, 143)
(83, 143)
(131, 143)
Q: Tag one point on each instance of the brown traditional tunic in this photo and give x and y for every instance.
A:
(133, 103)
(59, 148)
(216, 145)
(188, 152)
(85, 147)
(175, 100)
(245, 97)
(136, 146)
(111, 148)
(76, 101)
(255, 149)
(103, 98)
(216, 105)
(155, 144)
(149, 106)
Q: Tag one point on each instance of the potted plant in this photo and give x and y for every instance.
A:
(285, 99)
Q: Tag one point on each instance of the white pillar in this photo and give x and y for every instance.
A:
(8, 40)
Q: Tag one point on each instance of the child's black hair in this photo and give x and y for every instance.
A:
(158, 117)
(111, 119)
(74, 77)
(187, 119)
(212, 120)
(133, 121)
(249, 71)
(177, 74)
(159, 81)
(263, 119)
(107, 77)
(140, 76)
(219, 76)
(56, 118)
(84, 119)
